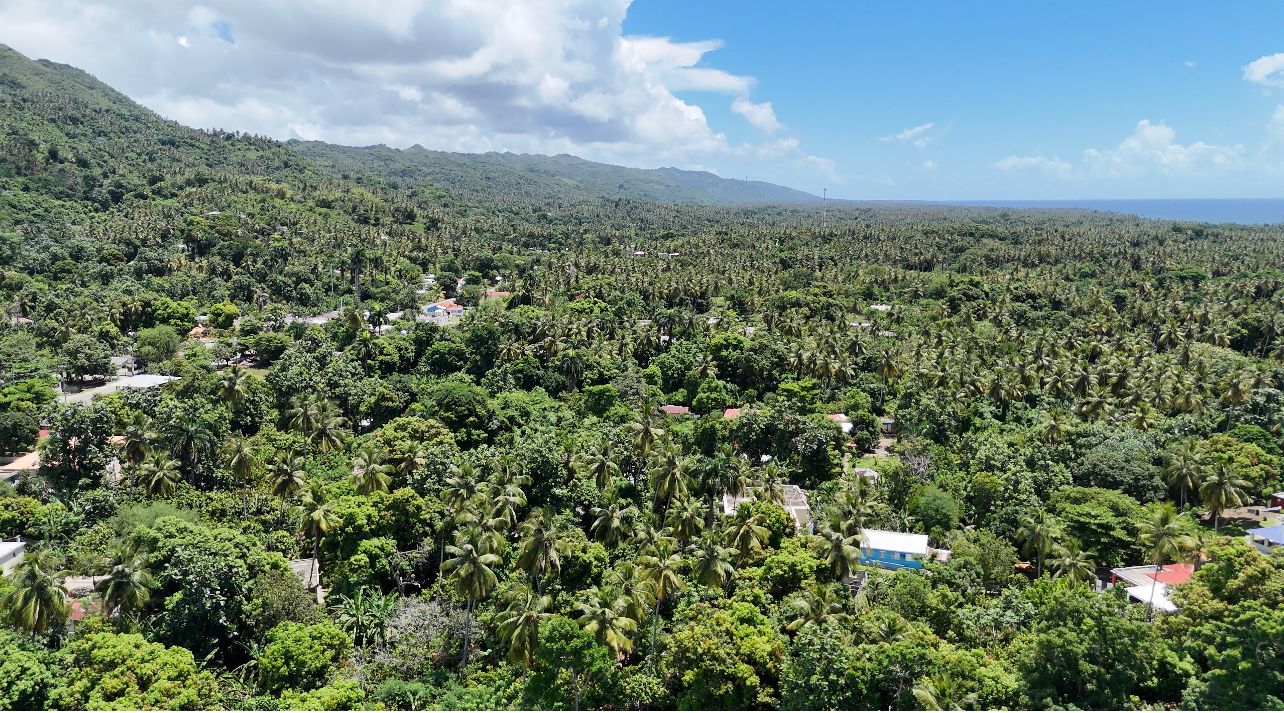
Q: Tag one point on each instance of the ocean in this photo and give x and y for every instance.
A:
(1204, 210)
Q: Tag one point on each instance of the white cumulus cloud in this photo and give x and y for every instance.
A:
(1267, 71)
(1153, 145)
(545, 76)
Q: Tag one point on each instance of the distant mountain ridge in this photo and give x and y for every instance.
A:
(542, 179)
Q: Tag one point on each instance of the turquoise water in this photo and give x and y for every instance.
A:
(1206, 210)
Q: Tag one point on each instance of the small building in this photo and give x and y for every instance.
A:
(1277, 500)
(674, 410)
(1264, 538)
(1150, 585)
(881, 308)
(21, 464)
(867, 473)
(897, 550)
(887, 425)
(791, 497)
(842, 420)
(10, 555)
(442, 312)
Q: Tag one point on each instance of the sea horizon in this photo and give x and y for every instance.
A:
(1245, 211)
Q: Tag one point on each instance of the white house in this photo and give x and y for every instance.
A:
(10, 555)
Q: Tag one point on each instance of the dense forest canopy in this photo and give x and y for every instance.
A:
(530, 506)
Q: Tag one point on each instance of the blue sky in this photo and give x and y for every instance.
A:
(887, 100)
(999, 80)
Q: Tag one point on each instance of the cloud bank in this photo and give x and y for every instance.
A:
(546, 76)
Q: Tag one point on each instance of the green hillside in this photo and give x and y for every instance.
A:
(477, 178)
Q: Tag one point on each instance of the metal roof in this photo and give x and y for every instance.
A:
(1273, 534)
(894, 541)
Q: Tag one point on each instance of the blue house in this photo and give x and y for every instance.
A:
(894, 550)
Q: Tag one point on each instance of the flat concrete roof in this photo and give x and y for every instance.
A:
(137, 381)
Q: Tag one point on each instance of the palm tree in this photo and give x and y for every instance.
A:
(518, 627)
(646, 427)
(1073, 562)
(542, 546)
(605, 615)
(1199, 547)
(748, 536)
(241, 458)
(1184, 469)
(714, 564)
(287, 475)
(1164, 537)
(234, 386)
(817, 603)
(369, 471)
(840, 550)
(128, 585)
(686, 519)
(158, 475)
(668, 474)
(318, 519)
(1038, 535)
(661, 571)
(942, 691)
(1222, 489)
(471, 569)
(38, 601)
(613, 523)
(599, 464)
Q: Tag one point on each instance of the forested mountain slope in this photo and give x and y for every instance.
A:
(543, 180)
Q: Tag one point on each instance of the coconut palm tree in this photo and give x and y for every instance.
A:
(37, 602)
(286, 474)
(685, 519)
(241, 458)
(471, 569)
(518, 624)
(234, 386)
(1070, 561)
(158, 475)
(599, 464)
(713, 564)
(1184, 469)
(840, 550)
(1038, 535)
(542, 546)
(1223, 488)
(370, 473)
(668, 474)
(646, 428)
(1164, 537)
(604, 613)
(747, 535)
(661, 571)
(941, 691)
(816, 603)
(613, 523)
(318, 519)
(128, 585)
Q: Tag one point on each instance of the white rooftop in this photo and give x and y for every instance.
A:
(1160, 601)
(9, 547)
(894, 541)
(138, 381)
